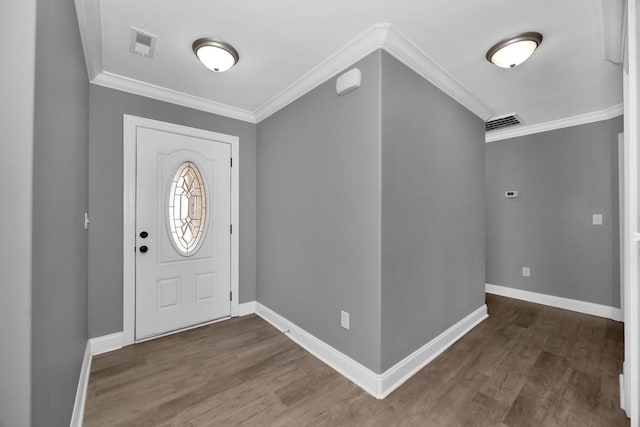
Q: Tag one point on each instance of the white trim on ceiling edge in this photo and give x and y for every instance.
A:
(404, 50)
(126, 84)
(371, 39)
(581, 119)
(89, 16)
(585, 307)
(377, 385)
(378, 36)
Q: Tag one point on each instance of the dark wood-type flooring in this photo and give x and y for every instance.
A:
(526, 365)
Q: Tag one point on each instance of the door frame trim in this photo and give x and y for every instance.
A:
(621, 216)
(631, 96)
(130, 125)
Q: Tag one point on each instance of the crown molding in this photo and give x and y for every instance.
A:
(364, 44)
(614, 30)
(595, 116)
(380, 36)
(89, 16)
(137, 87)
(404, 50)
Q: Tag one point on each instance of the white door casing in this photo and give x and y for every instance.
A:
(181, 281)
(630, 398)
(621, 216)
(163, 252)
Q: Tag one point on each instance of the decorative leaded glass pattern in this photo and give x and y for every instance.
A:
(187, 207)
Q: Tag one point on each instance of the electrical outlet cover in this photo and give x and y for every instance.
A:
(344, 319)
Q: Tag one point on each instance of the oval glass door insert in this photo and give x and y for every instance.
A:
(187, 208)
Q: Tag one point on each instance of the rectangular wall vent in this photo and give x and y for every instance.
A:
(503, 122)
(142, 43)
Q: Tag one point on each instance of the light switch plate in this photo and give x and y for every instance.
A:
(597, 219)
(344, 319)
(526, 272)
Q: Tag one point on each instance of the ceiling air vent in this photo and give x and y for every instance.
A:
(502, 122)
(142, 43)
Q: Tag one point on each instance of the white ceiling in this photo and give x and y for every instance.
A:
(279, 41)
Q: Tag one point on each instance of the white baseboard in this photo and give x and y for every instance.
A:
(81, 392)
(94, 347)
(585, 307)
(106, 343)
(377, 385)
(623, 396)
(246, 308)
(115, 341)
(358, 374)
(395, 376)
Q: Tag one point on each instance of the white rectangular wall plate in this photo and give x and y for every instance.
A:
(511, 194)
(597, 219)
(526, 272)
(348, 81)
(344, 319)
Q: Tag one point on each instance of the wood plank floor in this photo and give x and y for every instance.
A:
(526, 365)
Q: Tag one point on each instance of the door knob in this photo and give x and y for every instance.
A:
(143, 249)
(144, 234)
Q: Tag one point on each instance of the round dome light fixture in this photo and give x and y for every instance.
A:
(215, 54)
(515, 50)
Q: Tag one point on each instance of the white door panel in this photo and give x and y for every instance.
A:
(181, 279)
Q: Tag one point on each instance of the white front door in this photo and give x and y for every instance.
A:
(183, 240)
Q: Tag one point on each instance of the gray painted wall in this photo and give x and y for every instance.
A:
(107, 107)
(17, 22)
(563, 177)
(432, 211)
(319, 214)
(60, 198)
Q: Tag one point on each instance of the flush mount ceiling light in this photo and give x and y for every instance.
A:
(215, 54)
(515, 50)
